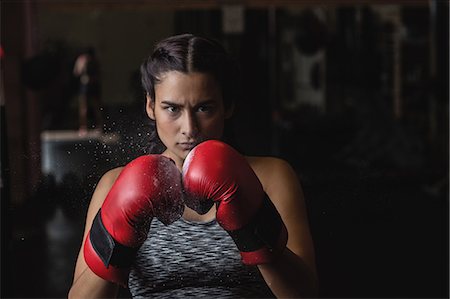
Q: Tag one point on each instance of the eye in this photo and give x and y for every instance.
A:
(205, 108)
(172, 109)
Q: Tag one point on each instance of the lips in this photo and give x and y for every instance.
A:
(187, 145)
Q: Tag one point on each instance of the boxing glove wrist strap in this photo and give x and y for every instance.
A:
(262, 231)
(109, 250)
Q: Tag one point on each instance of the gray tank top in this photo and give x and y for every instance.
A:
(189, 259)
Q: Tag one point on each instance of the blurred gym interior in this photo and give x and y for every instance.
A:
(354, 94)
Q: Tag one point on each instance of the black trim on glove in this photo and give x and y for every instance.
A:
(263, 230)
(109, 250)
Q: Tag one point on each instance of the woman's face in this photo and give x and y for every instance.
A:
(188, 109)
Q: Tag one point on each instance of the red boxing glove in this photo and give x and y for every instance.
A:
(149, 186)
(215, 172)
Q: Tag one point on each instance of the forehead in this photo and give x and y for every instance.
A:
(178, 85)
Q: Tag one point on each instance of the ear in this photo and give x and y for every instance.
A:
(150, 107)
(229, 111)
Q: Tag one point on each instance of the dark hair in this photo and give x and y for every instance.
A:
(188, 53)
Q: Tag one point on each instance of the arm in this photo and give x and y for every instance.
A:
(85, 283)
(147, 187)
(293, 273)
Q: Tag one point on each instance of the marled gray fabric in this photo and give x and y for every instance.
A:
(187, 259)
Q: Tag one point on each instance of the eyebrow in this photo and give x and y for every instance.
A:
(173, 103)
(166, 102)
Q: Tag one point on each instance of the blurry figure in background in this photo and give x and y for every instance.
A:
(87, 70)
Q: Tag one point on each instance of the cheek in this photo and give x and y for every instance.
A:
(167, 125)
(163, 120)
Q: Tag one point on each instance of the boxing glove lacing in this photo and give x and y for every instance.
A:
(109, 250)
(262, 231)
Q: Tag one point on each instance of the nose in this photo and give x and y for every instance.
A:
(189, 126)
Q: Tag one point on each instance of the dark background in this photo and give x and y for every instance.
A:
(353, 94)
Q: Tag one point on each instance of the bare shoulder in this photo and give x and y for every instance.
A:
(274, 173)
(101, 190)
(105, 184)
(108, 179)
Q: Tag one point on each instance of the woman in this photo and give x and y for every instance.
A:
(190, 84)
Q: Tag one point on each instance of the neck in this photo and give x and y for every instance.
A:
(177, 160)
(193, 216)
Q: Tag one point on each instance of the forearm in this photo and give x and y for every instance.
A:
(290, 277)
(89, 285)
